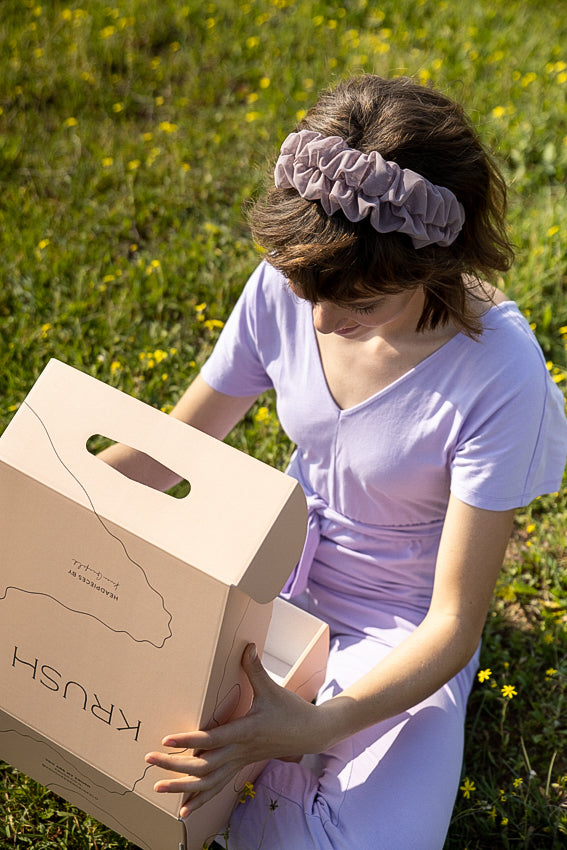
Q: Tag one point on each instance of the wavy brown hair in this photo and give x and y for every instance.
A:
(332, 259)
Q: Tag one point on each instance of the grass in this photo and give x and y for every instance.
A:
(132, 134)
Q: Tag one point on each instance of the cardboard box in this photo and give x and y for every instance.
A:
(124, 612)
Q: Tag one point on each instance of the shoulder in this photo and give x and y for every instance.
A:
(509, 342)
(267, 283)
(270, 303)
(503, 368)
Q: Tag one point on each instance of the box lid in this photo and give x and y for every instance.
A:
(243, 522)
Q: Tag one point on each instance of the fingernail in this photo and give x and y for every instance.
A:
(253, 652)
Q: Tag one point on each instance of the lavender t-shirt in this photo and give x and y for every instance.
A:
(481, 419)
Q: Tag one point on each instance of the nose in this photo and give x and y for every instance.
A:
(327, 317)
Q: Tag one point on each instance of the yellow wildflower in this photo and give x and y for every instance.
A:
(467, 787)
(508, 691)
(551, 671)
(247, 791)
(483, 675)
(262, 416)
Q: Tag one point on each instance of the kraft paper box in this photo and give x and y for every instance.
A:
(124, 612)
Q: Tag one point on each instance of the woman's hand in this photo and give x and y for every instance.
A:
(280, 724)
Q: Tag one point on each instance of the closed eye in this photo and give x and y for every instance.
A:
(364, 309)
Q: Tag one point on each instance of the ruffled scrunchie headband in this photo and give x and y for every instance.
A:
(326, 169)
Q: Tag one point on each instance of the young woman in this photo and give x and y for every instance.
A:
(423, 415)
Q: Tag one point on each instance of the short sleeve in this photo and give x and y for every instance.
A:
(513, 441)
(236, 365)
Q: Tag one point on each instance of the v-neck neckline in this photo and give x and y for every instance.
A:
(343, 411)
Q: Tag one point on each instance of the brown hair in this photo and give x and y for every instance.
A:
(332, 259)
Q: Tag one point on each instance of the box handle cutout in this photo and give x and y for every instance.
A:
(97, 442)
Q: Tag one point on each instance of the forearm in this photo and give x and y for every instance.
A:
(139, 467)
(414, 670)
(470, 555)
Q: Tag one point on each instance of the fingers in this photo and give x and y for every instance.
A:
(178, 763)
(191, 740)
(195, 802)
(201, 780)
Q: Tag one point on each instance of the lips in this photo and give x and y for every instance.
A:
(345, 331)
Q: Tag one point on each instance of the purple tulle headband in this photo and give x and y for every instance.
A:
(326, 169)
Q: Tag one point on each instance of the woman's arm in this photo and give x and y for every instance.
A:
(200, 406)
(470, 556)
(281, 725)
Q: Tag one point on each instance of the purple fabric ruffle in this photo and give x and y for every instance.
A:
(326, 169)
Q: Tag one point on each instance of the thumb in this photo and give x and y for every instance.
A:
(254, 669)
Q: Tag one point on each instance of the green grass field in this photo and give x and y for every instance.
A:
(132, 135)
